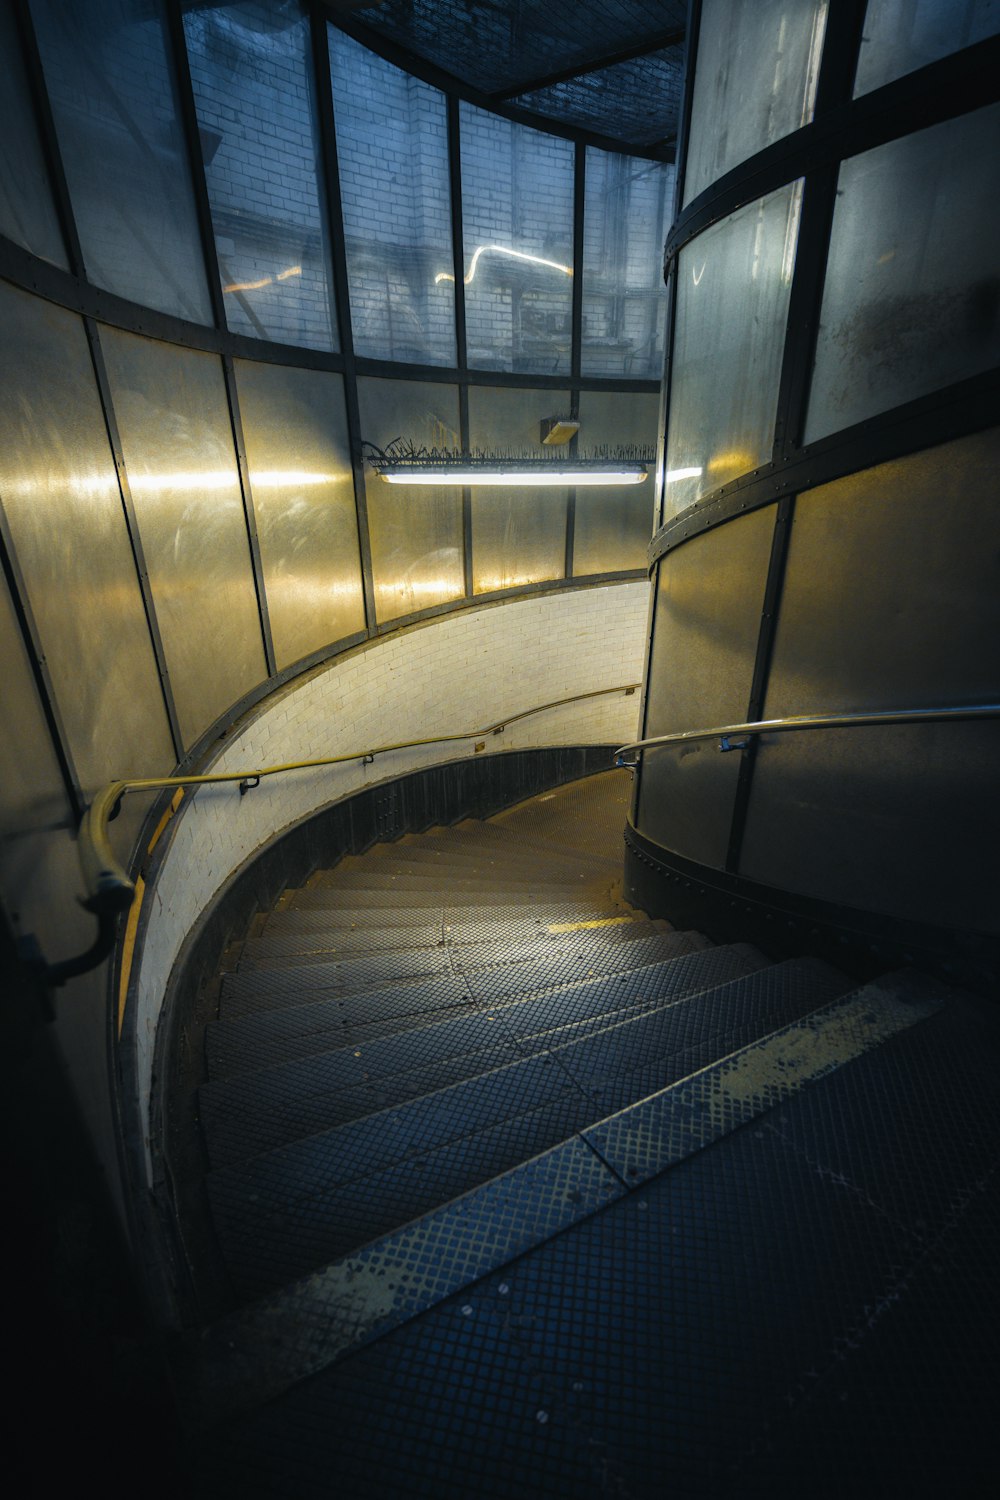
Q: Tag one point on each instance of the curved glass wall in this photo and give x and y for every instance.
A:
(336, 253)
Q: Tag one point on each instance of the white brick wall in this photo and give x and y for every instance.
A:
(461, 672)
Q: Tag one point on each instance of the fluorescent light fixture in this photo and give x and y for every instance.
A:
(547, 474)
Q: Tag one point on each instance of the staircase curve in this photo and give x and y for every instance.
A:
(489, 1184)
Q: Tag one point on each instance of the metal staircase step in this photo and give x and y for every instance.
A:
(329, 1316)
(361, 919)
(458, 894)
(359, 1182)
(272, 989)
(273, 949)
(251, 1112)
(266, 1038)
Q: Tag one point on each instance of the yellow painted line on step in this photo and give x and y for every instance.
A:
(175, 803)
(582, 926)
(128, 948)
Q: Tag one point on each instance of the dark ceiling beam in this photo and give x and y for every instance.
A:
(654, 43)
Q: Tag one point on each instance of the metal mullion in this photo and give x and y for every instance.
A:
(249, 512)
(687, 104)
(196, 164)
(576, 335)
(341, 283)
(133, 532)
(841, 42)
(780, 539)
(49, 137)
(461, 343)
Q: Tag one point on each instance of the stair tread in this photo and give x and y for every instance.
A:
(284, 1215)
(274, 949)
(247, 1114)
(275, 989)
(360, 918)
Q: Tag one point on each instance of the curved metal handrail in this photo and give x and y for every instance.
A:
(727, 734)
(109, 889)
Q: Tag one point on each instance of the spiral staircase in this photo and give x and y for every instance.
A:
(489, 1184)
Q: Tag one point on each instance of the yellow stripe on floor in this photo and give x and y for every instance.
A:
(581, 926)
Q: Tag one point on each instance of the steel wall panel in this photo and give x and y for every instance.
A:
(709, 595)
(178, 446)
(60, 492)
(295, 428)
(613, 526)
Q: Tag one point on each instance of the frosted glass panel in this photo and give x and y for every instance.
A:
(518, 535)
(517, 210)
(176, 436)
(392, 147)
(61, 497)
(627, 214)
(755, 81)
(110, 77)
(912, 295)
(416, 530)
(901, 36)
(614, 525)
(26, 212)
(732, 305)
(303, 489)
(251, 67)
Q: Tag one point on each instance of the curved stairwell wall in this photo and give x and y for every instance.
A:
(200, 333)
(444, 677)
(828, 539)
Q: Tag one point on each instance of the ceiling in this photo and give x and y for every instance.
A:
(612, 67)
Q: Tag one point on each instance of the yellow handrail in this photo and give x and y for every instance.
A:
(109, 889)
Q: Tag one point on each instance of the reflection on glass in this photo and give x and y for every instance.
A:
(517, 213)
(755, 81)
(109, 72)
(912, 295)
(295, 428)
(251, 71)
(63, 506)
(518, 535)
(177, 440)
(900, 37)
(627, 213)
(26, 212)
(732, 305)
(416, 530)
(613, 526)
(392, 148)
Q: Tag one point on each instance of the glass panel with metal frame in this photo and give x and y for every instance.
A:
(900, 37)
(27, 213)
(251, 67)
(517, 212)
(756, 71)
(110, 75)
(912, 295)
(733, 286)
(628, 208)
(392, 150)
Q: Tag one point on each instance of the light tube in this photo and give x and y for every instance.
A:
(527, 478)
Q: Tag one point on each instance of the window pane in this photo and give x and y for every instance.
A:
(392, 147)
(177, 440)
(912, 296)
(295, 428)
(518, 535)
(613, 526)
(416, 530)
(110, 78)
(755, 81)
(732, 305)
(251, 67)
(900, 37)
(517, 211)
(26, 212)
(628, 210)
